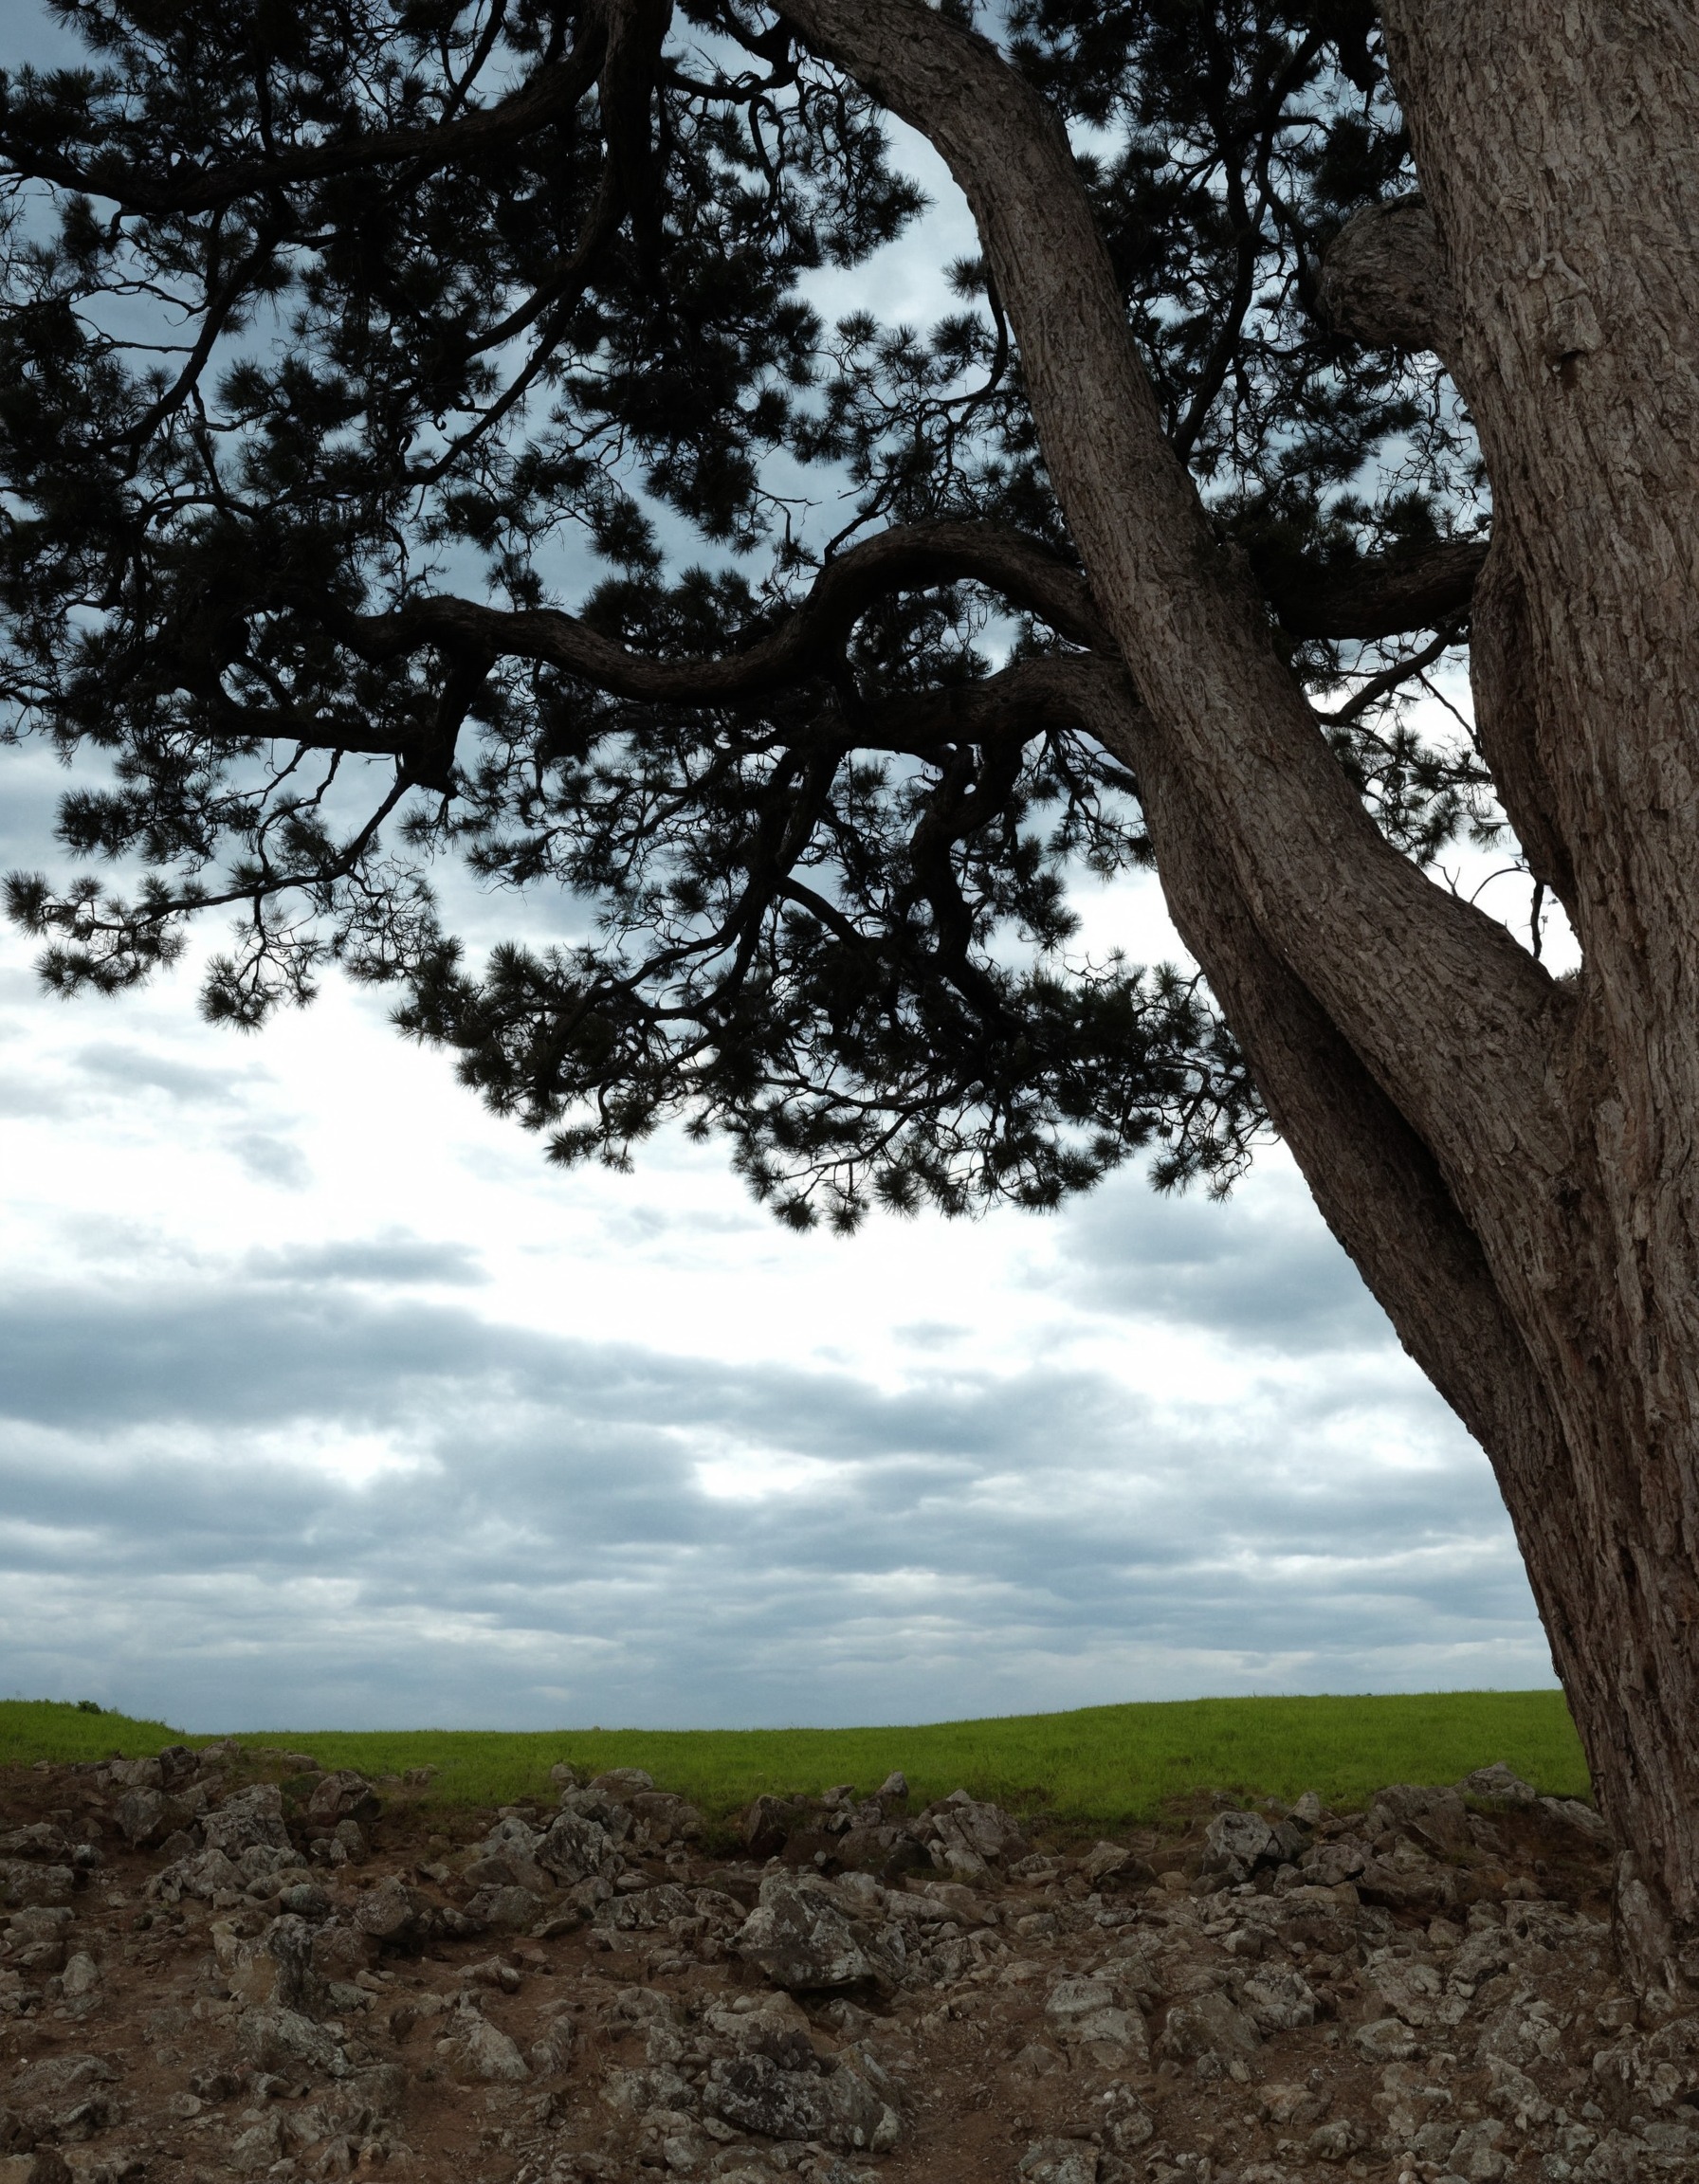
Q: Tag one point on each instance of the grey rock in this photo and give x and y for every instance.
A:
(1436, 1818)
(646, 1909)
(576, 1848)
(343, 1796)
(56, 2075)
(209, 1873)
(1086, 2017)
(300, 1981)
(838, 2108)
(1208, 2025)
(146, 1817)
(286, 2042)
(1385, 2040)
(1571, 1812)
(641, 2092)
(803, 1942)
(1328, 1864)
(511, 1910)
(23, 1882)
(393, 1911)
(1338, 2140)
(1059, 2161)
(248, 1817)
(482, 2053)
(39, 1839)
(1412, 1989)
(1280, 2001)
(1501, 1783)
(1239, 1838)
(621, 1784)
(969, 1836)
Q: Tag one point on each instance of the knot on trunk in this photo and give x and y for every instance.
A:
(1383, 278)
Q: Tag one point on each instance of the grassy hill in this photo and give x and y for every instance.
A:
(1100, 1766)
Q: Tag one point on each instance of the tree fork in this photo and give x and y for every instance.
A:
(1545, 1145)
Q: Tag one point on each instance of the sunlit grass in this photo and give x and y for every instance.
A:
(1102, 1766)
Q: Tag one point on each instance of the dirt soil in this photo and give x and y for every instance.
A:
(369, 1987)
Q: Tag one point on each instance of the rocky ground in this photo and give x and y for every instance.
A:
(219, 1964)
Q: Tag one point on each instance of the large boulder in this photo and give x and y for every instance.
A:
(1208, 2024)
(1436, 1819)
(836, 2108)
(968, 1836)
(247, 1818)
(1242, 1839)
(288, 2042)
(803, 1942)
(343, 1796)
(508, 1858)
(1086, 2017)
(574, 1847)
(479, 2053)
(394, 1914)
(146, 1817)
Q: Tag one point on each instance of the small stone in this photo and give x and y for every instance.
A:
(1059, 2161)
(1501, 1783)
(1385, 2040)
(81, 1976)
(482, 2052)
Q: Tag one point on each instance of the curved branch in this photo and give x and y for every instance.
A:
(805, 643)
(1417, 983)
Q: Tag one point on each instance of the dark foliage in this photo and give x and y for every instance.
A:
(345, 344)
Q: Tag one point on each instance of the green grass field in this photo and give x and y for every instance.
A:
(1103, 1766)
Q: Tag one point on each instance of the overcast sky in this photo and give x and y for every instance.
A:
(325, 1403)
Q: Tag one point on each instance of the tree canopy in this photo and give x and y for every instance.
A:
(418, 442)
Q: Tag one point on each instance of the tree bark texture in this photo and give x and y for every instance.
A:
(1508, 1158)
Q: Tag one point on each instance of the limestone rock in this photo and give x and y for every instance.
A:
(1059, 2161)
(1243, 1839)
(247, 1818)
(1210, 2024)
(283, 2039)
(479, 2053)
(205, 1875)
(803, 1942)
(1501, 1783)
(394, 1911)
(838, 2108)
(343, 1796)
(23, 1882)
(1087, 2018)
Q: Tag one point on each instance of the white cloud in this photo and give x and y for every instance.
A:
(325, 1401)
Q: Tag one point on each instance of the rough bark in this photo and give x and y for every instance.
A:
(1509, 1159)
(1384, 280)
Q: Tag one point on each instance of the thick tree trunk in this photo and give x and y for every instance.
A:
(1509, 1160)
(1559, 147)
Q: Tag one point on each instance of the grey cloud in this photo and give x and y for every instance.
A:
(129, 1066)
(397, 1260)
(550, 1553)
(271, 1160)
(1259, 1269)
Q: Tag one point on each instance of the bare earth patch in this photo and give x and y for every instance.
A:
(218, 1964)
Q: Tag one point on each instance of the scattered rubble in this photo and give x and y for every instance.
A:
(217, 1964)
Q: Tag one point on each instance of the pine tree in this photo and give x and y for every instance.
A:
(418, 445)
